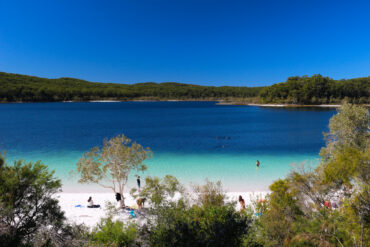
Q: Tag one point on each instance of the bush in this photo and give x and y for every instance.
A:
(27, 206)
(114, 233)
(198, 226)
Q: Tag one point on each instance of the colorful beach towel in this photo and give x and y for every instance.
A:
(133, 214)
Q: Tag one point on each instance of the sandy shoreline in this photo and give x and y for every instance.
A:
(92, 216)
(277, 105)
(218, 102)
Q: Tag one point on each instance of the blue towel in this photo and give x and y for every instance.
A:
(132, 214)
(79, 206)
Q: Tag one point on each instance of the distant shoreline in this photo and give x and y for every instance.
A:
(218, 102)
(114, 100)
(280, 105)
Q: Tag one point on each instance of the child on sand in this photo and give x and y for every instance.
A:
(140, 202)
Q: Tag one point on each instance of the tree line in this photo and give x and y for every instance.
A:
(316, 89)
(15, 87)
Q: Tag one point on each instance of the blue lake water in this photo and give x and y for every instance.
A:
(191, 140)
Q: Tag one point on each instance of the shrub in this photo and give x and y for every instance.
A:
(114, 233)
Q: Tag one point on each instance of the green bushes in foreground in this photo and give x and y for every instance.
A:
(115, 234)
(29, 215)
(198, 226)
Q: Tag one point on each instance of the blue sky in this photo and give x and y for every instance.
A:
(246, 43)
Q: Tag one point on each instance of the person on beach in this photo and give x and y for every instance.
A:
(91, 203)
(140, 202)
(118, 197)
(242, 203)
(258, 163)
(138, 182)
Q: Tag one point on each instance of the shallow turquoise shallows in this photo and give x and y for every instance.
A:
(191, 140)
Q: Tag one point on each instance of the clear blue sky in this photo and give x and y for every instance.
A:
(212, 42)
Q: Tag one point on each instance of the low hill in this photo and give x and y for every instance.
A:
(316, 89)
(16, 87)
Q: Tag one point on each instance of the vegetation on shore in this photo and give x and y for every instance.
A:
(15, 88)
(317, 89)
(323, 206)
(296, 90)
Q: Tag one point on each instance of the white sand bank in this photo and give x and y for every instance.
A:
(91, 216)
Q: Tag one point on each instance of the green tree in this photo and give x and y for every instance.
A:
(211, 193)
(158, 191)
(297, 202)
(27, 204)
(348, 128)
(281, 210)
(111, 165)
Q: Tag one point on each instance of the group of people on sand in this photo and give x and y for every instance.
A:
(140, 201)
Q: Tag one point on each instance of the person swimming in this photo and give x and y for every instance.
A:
(258, 163)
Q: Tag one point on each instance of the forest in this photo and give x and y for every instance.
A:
(304, 90)
(15, 88)
(317, 90)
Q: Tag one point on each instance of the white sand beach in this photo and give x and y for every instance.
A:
(92, 216)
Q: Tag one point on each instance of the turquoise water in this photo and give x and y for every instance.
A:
(191, 140)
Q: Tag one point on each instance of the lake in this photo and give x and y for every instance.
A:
(190, 140)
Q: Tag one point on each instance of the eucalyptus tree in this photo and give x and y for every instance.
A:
(348, 128)
(110, 165)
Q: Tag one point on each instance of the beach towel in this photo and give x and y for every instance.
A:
(132, 214)
(79, 206)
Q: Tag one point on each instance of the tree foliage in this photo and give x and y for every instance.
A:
(158, 191)
(317, 89)
(303, 201)
(115, 234)
(296, 90)
(209, 194)
(15, 87)
(348, 128)
(198, 226)
(27, 206)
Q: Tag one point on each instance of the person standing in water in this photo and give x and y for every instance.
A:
(257, 163)
(138, 182)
